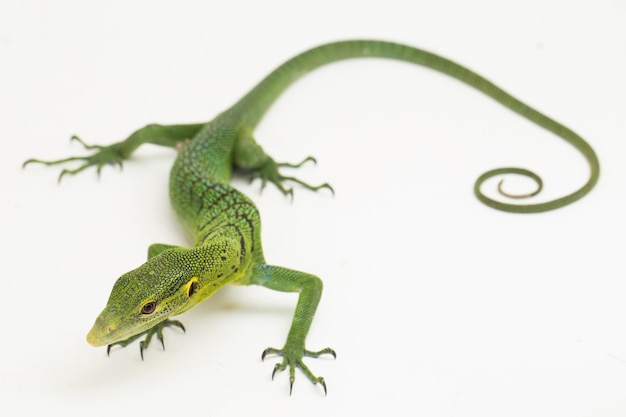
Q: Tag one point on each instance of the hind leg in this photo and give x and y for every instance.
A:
(114, 154)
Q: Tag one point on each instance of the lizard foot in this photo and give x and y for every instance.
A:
(270, 172)
(103, 155)
(292, 358)
(158, 330)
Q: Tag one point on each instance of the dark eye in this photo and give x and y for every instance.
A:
(148, 308)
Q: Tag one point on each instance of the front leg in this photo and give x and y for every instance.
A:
(310, 289)
(143, 345)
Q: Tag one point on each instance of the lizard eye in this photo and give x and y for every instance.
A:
(148, 308)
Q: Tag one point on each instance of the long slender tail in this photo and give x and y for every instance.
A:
(253, 106)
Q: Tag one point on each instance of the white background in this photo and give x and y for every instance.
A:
(435, 304)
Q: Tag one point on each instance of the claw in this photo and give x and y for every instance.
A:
(326, 351)
(310, 187)
(66, 171)
(277, 367)
(270, 351)
(323, 383)
(160, 337)
(85, 145)
(298, 165)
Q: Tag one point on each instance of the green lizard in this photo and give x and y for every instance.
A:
(224, 224)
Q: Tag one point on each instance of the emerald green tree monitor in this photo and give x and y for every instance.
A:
(224, 224)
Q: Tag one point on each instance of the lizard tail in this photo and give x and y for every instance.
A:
(253, 106)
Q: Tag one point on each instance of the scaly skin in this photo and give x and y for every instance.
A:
(224, 224)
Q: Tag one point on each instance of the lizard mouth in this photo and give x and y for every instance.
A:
(105, 332)
(100, 336)
(93, 340)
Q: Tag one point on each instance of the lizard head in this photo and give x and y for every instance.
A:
(143, 297)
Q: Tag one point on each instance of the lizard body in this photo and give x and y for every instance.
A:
(224, 224)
